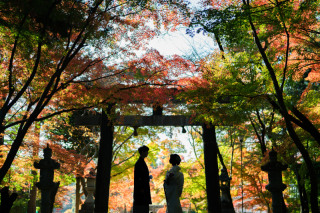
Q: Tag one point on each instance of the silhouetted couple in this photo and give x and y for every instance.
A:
(173, 184)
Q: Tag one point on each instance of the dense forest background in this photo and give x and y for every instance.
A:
(259, 86)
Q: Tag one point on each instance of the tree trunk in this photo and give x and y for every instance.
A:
(32, 203)
(7, 200)
(308, 126)
(302, 192)
(77, 204)
(83, 185)
(312, 174)
(1, 136)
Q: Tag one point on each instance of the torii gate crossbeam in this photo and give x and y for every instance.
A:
(138, 120)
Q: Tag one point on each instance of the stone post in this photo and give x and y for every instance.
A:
(275, 186)
(46, 185)
(88, 206)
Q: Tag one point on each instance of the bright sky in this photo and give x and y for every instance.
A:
(180, 43)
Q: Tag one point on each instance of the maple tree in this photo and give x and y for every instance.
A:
(265, 58)
(265, 73)
(53, 53)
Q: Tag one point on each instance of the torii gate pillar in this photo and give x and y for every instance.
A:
(104, 164)
(211, 168)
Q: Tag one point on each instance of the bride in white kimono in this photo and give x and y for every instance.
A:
(173, 185)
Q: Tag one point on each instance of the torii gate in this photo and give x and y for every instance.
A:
(157, 119)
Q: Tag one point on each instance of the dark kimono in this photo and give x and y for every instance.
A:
(141, 191)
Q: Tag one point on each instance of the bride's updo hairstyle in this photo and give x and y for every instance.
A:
(175, 159)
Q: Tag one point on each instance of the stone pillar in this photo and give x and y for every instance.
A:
(46, 185)
(157, 109)
(275, 186)
(211, 168)
(88, 206)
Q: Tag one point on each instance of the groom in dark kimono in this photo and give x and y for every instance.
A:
(141, 191)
